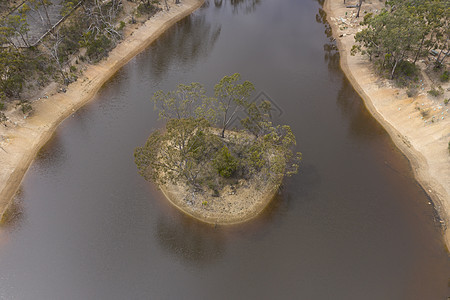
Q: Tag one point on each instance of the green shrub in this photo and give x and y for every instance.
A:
(2, 106)
(407, 68)
(122, 26)
(445, 76)
(436, 91)
(225, 163)
(25, 107)
(3, 118)
(98, 48)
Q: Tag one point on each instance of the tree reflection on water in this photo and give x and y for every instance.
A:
(190, 240)
(189, 40)
(239, 6)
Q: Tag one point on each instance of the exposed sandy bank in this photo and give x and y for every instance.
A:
(232, 207)
(422, 141)
(20, 143)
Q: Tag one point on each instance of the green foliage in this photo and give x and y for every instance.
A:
(148, 7)
(2, 106)
(3, 118)
(189, 150)
(187, 101)
(231, 97)
(258, 121)
(445, 76)
(92, 27)
(404, 31)
(12, 72)
(224, 163)
(408, 69)
(178, 153)
(25, 107)
(121, 26)
(435, 92)
(96, 46)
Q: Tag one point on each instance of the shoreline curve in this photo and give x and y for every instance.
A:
(224, 219)
(408, 135)
(27, 140)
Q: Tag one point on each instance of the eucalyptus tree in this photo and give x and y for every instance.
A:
(231, 97)
(193, 150)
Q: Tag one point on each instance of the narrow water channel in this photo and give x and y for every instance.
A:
(353, 224)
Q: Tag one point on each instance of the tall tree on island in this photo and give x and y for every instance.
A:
(232, 97)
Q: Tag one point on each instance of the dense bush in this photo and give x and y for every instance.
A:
(225, 163)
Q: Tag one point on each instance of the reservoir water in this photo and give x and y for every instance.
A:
(353, 224)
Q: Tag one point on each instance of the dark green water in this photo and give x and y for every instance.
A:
(353, 224)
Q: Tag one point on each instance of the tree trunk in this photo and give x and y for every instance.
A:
(393, 69)
(418, 51)
(439, 63)
(359, 8)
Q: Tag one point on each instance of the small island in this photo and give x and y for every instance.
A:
(213, 173)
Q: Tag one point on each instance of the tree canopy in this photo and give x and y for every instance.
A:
(404, 31)
(195, 148)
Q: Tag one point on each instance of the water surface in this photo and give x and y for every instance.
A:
(353, 224)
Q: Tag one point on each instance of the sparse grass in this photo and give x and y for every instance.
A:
(435, 92)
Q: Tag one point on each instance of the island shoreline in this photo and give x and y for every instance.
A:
(256, 211)
(435, 187)
(26, 141)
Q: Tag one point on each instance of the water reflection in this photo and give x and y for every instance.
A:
(240, 6)
(14, 217)
(331, 51)
(187, 41)
(362, 125)
(190, 240)
(52, 154)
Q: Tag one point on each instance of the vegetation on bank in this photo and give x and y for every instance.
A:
(403, 32)
(91, 28)
(197, 148)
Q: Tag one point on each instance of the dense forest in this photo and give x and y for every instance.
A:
(403, 32)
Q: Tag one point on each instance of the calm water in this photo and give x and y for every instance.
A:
(352, 225)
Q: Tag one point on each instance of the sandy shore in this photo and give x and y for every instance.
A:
(423, 141)
(230, 208)
(21, 143)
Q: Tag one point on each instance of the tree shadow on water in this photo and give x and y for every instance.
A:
(183, 44)
(239, 6)
(14, 216)
(361, 123)
(189, 240)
